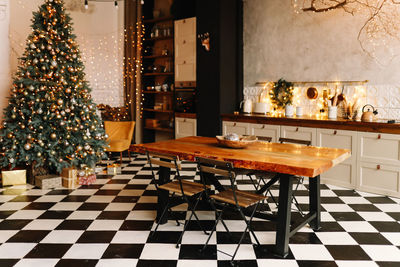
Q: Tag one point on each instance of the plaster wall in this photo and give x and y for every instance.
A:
(315, 47)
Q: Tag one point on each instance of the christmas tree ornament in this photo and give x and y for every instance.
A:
(53, 136)
(27, 146)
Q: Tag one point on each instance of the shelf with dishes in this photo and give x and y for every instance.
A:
(157, 56)
(158, 110)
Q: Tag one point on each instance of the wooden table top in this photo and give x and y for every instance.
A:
(292, 159)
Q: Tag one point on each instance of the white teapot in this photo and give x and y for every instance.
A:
(246, 106)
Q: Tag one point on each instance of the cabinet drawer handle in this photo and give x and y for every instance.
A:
(378, 167)
(184, 41)
(234, 124)
(335, 132)
(184, 62)
(263, 127)
(297, 129)
(379, 136)
(184, 120)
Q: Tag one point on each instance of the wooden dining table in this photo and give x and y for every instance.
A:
(287, 161)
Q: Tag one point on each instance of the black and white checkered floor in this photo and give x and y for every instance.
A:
(108, 224)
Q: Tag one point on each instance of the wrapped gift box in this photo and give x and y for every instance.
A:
(15, 177)
(48, 181)
(87, 180)
(69, 178)
(98, 169)
(114, 169)
(86, 176)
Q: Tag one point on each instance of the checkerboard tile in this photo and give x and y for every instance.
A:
(110, 222)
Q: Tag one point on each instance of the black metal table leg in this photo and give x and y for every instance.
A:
(163, 177)
(284, 214)
(315, 202)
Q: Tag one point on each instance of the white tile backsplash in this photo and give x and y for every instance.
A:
(385, 98)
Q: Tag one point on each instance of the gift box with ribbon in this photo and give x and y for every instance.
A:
(114, 169)
(86, 176)
(70, 178)
(48, 181)
(14, 177)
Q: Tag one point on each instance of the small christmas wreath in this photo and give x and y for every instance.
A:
(281, 93)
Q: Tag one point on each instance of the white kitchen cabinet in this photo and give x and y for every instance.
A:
(302, 133)
(239, 128)
(379, 148)
(185, 127)
(345, 173)
(185, 50)
(379, 178)
(266, 130)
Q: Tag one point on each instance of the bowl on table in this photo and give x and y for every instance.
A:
(240, 142)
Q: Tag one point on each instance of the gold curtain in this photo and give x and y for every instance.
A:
(132, 61)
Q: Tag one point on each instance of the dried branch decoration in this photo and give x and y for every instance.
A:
(379, 29)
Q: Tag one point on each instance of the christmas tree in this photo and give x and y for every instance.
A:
(51, 119)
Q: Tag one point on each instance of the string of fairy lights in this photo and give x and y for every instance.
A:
(103, 54)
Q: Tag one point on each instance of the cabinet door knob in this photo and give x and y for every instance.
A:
(184, 41)
(184, 62)
(334, 132)
(379, 136)
(234, 124)
(297, 129)
(184, 120)
(378, 167)
(263, 127)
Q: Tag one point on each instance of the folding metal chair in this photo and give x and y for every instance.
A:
(259, 178)
(189, 192)
(229, 198)
(300, 179)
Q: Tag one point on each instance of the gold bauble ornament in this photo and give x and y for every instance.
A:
(9, 135)
(60, 102)
(27, 146)
(53, 136)
(79, 148)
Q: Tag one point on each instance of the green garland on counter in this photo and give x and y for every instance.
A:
(281, 93)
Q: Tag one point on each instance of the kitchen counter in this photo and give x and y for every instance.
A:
(379, 126)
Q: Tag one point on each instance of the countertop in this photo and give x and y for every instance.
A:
(379, 126)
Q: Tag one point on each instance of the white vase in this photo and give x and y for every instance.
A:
(289, 111)
(299, 111)
(332, 112)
